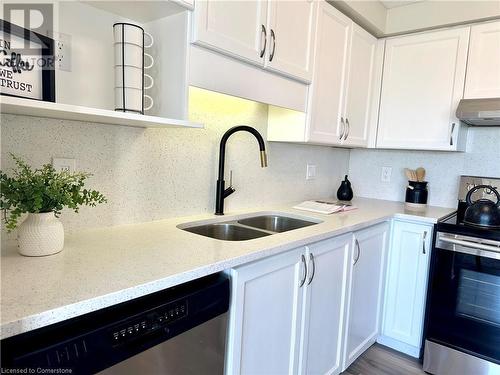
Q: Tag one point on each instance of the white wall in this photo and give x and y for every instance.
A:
(150, 174)
(371, 15)
(443, 168)
(430, 14)
(378, 20)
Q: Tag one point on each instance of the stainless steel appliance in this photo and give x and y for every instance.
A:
(181, 330)
(462, 330)
(481, 112)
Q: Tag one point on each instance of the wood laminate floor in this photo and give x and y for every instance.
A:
(379, 360)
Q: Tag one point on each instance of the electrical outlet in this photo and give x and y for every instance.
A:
(63, 51)
(310, 172)
(386, 174)
(64, 164)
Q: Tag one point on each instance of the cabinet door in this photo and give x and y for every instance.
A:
(325, 306)
(235, 28)
(291, 38)
(365, 292)
(326, 101)
(423, 81)
(406, 286)
(266, 303)
(483, 66)
(360, 87)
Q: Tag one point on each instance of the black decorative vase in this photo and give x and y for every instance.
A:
(344, 193)
(416, 196)
(416, 192)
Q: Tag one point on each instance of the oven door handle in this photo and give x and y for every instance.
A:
(469, 247)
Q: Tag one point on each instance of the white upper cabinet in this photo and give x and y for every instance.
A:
(276, 35)
(342, 89)
(423, 81)
(327, 92)
(406, 286)
(360, 87)
(291, 38)
(483, 67)
(236, 28)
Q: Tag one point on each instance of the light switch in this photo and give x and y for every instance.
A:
(310, 172)
(64, 164)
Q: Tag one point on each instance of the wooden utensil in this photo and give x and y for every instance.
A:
(420, 173)
(409, 174)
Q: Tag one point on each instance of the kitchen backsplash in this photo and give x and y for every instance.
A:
(443, 168)
(150, 174)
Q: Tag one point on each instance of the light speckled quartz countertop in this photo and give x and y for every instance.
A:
(103, 267)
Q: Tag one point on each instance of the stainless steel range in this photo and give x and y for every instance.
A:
(462, 330)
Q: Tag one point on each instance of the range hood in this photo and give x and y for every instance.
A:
(481, 112)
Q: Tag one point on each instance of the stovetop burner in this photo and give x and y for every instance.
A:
(452, 224)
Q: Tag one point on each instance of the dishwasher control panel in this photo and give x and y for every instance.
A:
(99, 340)
(149, 322)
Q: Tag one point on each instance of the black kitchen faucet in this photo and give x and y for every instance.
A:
(221, 191)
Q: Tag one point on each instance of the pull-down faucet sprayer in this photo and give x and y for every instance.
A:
(221, 191)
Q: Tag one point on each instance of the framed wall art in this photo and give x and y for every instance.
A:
(27, 63)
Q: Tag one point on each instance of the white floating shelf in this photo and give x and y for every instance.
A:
(146, 11)
(28, 107)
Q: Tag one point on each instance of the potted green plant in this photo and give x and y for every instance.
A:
(42, 194)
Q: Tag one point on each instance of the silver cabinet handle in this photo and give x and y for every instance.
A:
(273, 36)
(311, 259)
(423, 242)
(264, 32)
(303, 260)
(359, 252)
(348, 128)
(343, 128)
(451, 133)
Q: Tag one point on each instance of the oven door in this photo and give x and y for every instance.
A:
(464, 297)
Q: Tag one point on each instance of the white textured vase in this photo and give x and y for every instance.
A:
(40, 234)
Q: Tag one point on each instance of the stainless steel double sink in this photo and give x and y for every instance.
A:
(250, 227)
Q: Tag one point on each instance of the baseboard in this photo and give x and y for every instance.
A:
(399, 346)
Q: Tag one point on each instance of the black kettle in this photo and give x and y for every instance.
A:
(344, 193)
(483, 212)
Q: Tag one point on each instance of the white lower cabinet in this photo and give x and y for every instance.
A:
(287, 311)
(264, 325)
(324, 307)
(365, 290)
(406, 286)
(317, 308)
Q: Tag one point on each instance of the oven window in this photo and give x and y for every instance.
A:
(478, 297)
(464, 303)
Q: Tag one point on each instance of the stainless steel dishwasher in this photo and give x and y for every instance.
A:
(177, 331)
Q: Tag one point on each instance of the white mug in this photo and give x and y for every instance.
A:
(131, 76)
(130, 33)
(133, 100)
(133, 55)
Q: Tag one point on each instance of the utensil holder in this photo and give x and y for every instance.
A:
(416, 195)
